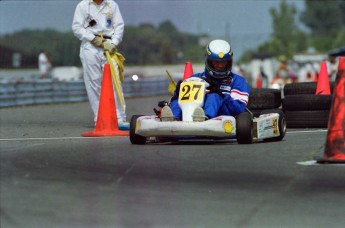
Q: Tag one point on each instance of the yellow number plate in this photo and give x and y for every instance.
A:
(192, 92)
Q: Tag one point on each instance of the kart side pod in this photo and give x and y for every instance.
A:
(270, 125)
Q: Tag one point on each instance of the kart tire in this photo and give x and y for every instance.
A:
(261, 101)
(276, 92)
(303, 88)
(307, 119)
(300, 88)
(135, 138)
(244, 128)
(281, 124)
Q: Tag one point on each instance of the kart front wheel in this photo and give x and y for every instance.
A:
(135, 138)
(244, 128)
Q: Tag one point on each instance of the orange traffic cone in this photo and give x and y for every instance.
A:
(315, 77)
(259, 82)
(323, 87)
(335, 143)
(188, 70)
(106, 124)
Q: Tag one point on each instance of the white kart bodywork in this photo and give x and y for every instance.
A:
(264, 126)
(221, 126)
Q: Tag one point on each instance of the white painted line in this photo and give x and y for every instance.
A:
(312, 162)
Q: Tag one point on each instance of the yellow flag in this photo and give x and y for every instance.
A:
(172, 88)
(119, 59)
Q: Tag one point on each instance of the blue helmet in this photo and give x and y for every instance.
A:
(218, 50)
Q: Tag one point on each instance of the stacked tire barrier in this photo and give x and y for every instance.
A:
(303, 108)
(263, 99)
(30, 92)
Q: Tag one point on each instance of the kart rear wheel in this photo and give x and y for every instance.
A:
(135, 138)
(244, 128)
(281, 124)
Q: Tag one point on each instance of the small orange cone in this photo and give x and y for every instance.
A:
(315, 77)
(259, 82)
(188, 70)
(106, 124)
(323, 87)
(335, 143)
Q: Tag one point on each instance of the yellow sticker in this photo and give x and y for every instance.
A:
(228, 127)
(191, 92)
(221, 55)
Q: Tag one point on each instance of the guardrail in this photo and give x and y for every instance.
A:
(30, 92)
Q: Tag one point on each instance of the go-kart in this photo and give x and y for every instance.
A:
(269, 126)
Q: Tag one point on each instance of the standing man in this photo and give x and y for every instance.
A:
(91, 19)
(44, 64)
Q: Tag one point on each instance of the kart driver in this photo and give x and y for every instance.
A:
(228, 92)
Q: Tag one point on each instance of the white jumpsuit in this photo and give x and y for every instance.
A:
(43, 64)
(109, 22)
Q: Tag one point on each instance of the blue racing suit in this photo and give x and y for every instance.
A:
(235, 92)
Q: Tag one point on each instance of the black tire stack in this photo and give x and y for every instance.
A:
(265, 98)
(303, 108)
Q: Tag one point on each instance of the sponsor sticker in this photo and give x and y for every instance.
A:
(275, 125)
(228, 127)
(226, 88)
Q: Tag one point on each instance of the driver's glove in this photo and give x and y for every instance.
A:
(110, 47)
(213, 87)
(97, 41)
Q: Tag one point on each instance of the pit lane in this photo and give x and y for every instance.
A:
(53, 177)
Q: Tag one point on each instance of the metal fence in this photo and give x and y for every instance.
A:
(30, 92)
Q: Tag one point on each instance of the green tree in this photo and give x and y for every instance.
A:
(286, 38)
(63, 48)
(326, 21)
(142, 45)
(323, 18)
(342, 10)
(145, 44)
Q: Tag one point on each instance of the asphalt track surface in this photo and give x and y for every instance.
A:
(52, 177)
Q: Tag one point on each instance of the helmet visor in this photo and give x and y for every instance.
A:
(219, 66)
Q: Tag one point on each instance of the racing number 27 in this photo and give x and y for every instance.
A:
(191, 92)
